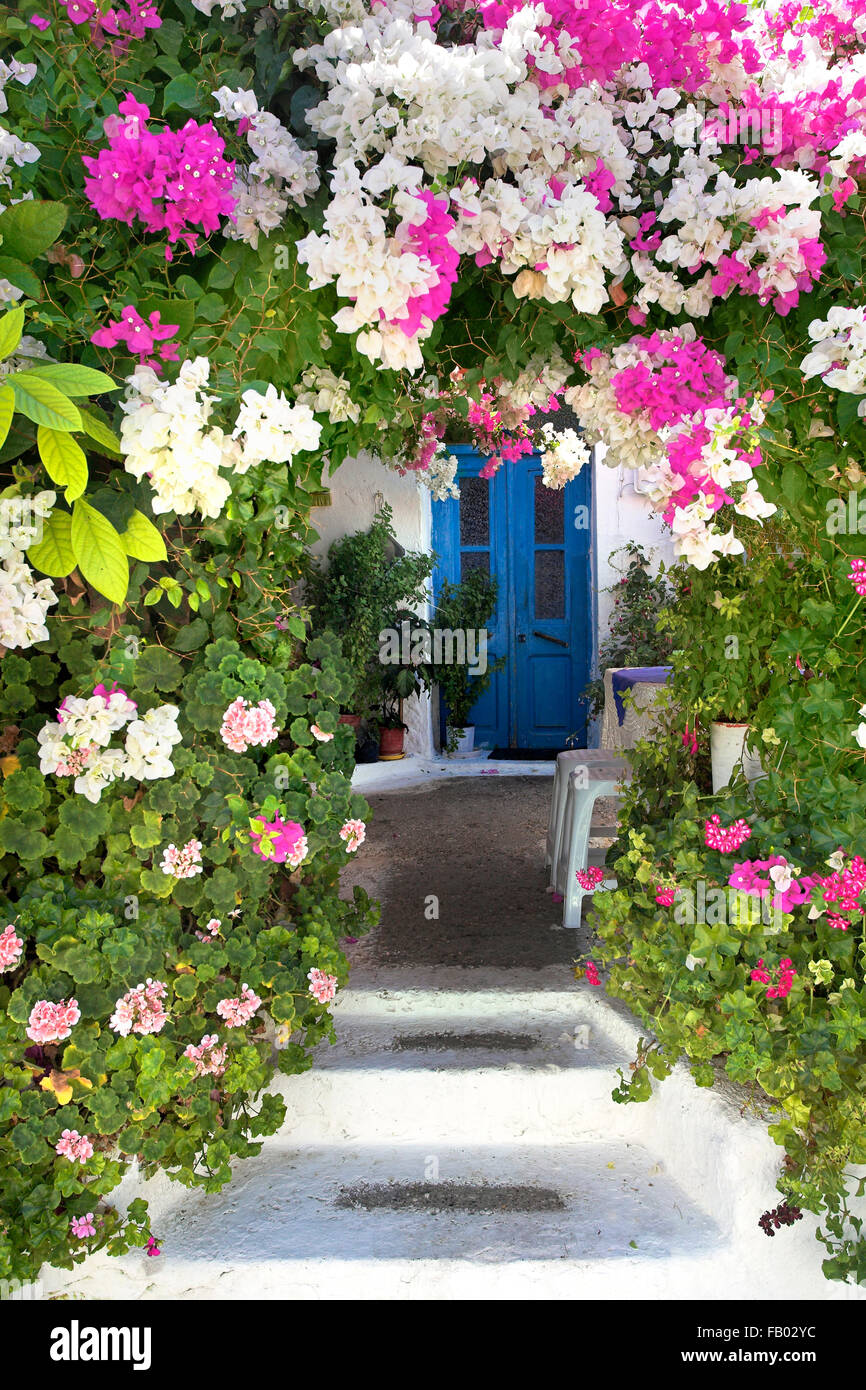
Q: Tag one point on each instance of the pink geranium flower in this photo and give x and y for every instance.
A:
(589, 879)
(353, 833)
(11, 947)
(208, 1058)
(182, 863)
(82, 1226)
(140, 1010)
(320, 734)
(246, 725)
(238, 1011)
(74, 1146)
(51, 1023)
(322, 987)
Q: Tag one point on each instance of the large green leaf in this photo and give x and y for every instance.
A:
(99, 432)
(43, 403)
(142, 540)
(65, 461)
(7, 411)
(99, 552)
(11, 328)
(21, 276)
(29, 228)
(54, 554)
(74, 379)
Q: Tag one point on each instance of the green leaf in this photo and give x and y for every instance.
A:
(65, 461)
(11, 328)
(177, 311)
(21, 276)
(191, 637)
(142, 540)
(54, 554)
(29, 228)
(99, 432)
(43, 403)
(7, 410)
(180, 91)
(99, 552)
(74, 379)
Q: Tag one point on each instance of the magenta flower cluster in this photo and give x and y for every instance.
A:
(785, 975)
(148, 341)
(725, 838)
(173, 181)
(590, 878)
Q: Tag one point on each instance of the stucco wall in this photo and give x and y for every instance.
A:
(619, 514)
(357, 488)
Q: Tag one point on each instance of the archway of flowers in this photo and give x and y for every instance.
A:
(241, 243)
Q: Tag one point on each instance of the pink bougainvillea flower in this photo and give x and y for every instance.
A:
(353, 833)
(39, 22)
(282, 841)
(173, 181)
(82, 1226)
(246, 725)
(145, 340)
(74, 1146)
(590, 878)
(11, 947)
(727, 839)
(322, 987)
(140, 1010)
(238, 1011)
(51, 1023)
(182, 863)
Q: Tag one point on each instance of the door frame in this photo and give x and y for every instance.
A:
(581, 568)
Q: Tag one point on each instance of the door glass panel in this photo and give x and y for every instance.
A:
(474, 511)
(549, 515)
(550, 584)
(474, 560)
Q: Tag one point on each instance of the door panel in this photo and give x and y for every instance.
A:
(536, 542)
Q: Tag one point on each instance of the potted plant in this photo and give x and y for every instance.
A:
(632, 639)
(367, 580)
(467, 606)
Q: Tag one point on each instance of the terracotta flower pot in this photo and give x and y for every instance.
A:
(391, 744)
(353, 719)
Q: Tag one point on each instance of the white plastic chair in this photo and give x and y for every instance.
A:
(584, 775)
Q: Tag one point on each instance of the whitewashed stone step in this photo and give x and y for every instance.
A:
(278, 1231)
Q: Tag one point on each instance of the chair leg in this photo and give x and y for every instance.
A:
(583, 803)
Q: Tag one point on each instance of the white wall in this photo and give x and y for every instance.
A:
(358, 487)
(619, 514)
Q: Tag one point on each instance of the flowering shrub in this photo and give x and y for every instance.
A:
(376, 226)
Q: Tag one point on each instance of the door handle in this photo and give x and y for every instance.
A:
(546, 635)
(521, 636)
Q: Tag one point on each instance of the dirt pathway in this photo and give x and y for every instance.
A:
(458, 867)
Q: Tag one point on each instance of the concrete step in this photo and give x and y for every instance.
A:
(280, 1230)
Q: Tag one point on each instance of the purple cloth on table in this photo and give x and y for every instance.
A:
(636, 675)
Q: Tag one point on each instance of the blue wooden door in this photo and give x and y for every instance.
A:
(535, 541)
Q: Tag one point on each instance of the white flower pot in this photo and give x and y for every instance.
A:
(726, 753)
(465, 738)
